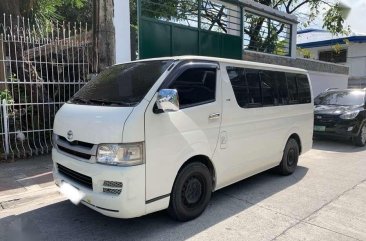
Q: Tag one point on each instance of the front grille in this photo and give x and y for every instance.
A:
(75, 148)
(77, 143)
(74, 153)
(326, 120)
(77, 177)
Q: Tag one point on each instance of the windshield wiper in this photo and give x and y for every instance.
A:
(111, 102)
(80, 100)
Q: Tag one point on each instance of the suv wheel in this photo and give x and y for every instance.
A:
(191, 192)
(360, 139)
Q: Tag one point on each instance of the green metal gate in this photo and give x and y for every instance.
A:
(189, 27)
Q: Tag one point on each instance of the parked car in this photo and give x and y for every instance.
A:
(165, 133)
(341, 114)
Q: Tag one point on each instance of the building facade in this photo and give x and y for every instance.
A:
(349, 51)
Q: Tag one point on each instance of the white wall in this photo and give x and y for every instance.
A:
(321, 81)
(122, 28)
(357, 59)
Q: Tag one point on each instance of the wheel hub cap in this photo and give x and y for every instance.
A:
(291, 157)
(192, 191)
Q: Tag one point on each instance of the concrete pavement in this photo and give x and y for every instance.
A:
(324, 200)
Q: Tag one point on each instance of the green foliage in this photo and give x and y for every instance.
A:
(44, 12)
(6, 95)
(333, 19)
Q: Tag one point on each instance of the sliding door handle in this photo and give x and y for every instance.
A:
(214, 116)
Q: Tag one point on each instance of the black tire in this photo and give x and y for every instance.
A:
(360, 139)
(191, 192)
(290, 158)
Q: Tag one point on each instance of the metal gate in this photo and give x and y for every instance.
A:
(190, 27)
(40, 69)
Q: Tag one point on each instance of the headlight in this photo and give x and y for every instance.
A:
(350, 115)
(121, 154)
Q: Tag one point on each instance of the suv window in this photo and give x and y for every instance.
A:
(341, 98)
(196, 86)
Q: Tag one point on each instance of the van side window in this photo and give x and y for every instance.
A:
(254, 86)
(239, 84)
(304, 89)
(196, 86)
(257, 88)
(269, 88)
(282, 87)
(293, 95)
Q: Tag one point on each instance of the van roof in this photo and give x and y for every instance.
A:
(230, 61)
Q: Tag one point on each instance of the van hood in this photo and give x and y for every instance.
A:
(91, 124)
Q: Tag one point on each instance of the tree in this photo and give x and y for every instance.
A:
(42, 12)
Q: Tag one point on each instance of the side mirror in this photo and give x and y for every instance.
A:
(168, 100)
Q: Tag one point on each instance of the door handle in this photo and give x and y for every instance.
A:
(214, 116)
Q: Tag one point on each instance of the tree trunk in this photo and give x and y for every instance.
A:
(103, 35)
(10, 7)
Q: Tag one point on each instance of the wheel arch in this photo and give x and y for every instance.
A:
(296, 137)
(205, 160)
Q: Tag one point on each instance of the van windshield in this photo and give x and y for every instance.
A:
(346, 98)
(121, 85)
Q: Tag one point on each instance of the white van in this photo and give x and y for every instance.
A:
(165, 133)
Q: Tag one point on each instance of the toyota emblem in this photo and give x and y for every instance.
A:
(70, 135)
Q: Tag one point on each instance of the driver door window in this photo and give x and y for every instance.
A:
(196, 86)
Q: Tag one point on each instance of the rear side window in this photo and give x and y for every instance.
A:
(304, 88)
(195, 86)
(253, 88)
(293, 95)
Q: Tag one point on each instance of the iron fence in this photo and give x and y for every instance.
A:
(40, 69)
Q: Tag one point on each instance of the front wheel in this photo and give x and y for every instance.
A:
(191, 192)
(360, 139)
(290, 158)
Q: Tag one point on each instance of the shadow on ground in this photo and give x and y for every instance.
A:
(64, 221)
(24, 173)
(336, 145)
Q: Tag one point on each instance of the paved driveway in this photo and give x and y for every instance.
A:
(324, 200)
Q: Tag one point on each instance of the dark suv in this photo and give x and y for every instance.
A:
(341, 113)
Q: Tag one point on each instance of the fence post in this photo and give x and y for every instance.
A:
(2, 65)
(6, 129)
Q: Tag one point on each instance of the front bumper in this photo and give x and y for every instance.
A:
(129, 203)
(345, 129)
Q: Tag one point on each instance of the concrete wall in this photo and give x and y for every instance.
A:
(323, 75)
(356, 61)
(321, 81)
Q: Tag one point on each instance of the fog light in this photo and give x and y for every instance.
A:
(350, 128)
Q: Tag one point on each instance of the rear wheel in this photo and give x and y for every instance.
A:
(191, 192)
(290, 158)
(360, 139)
